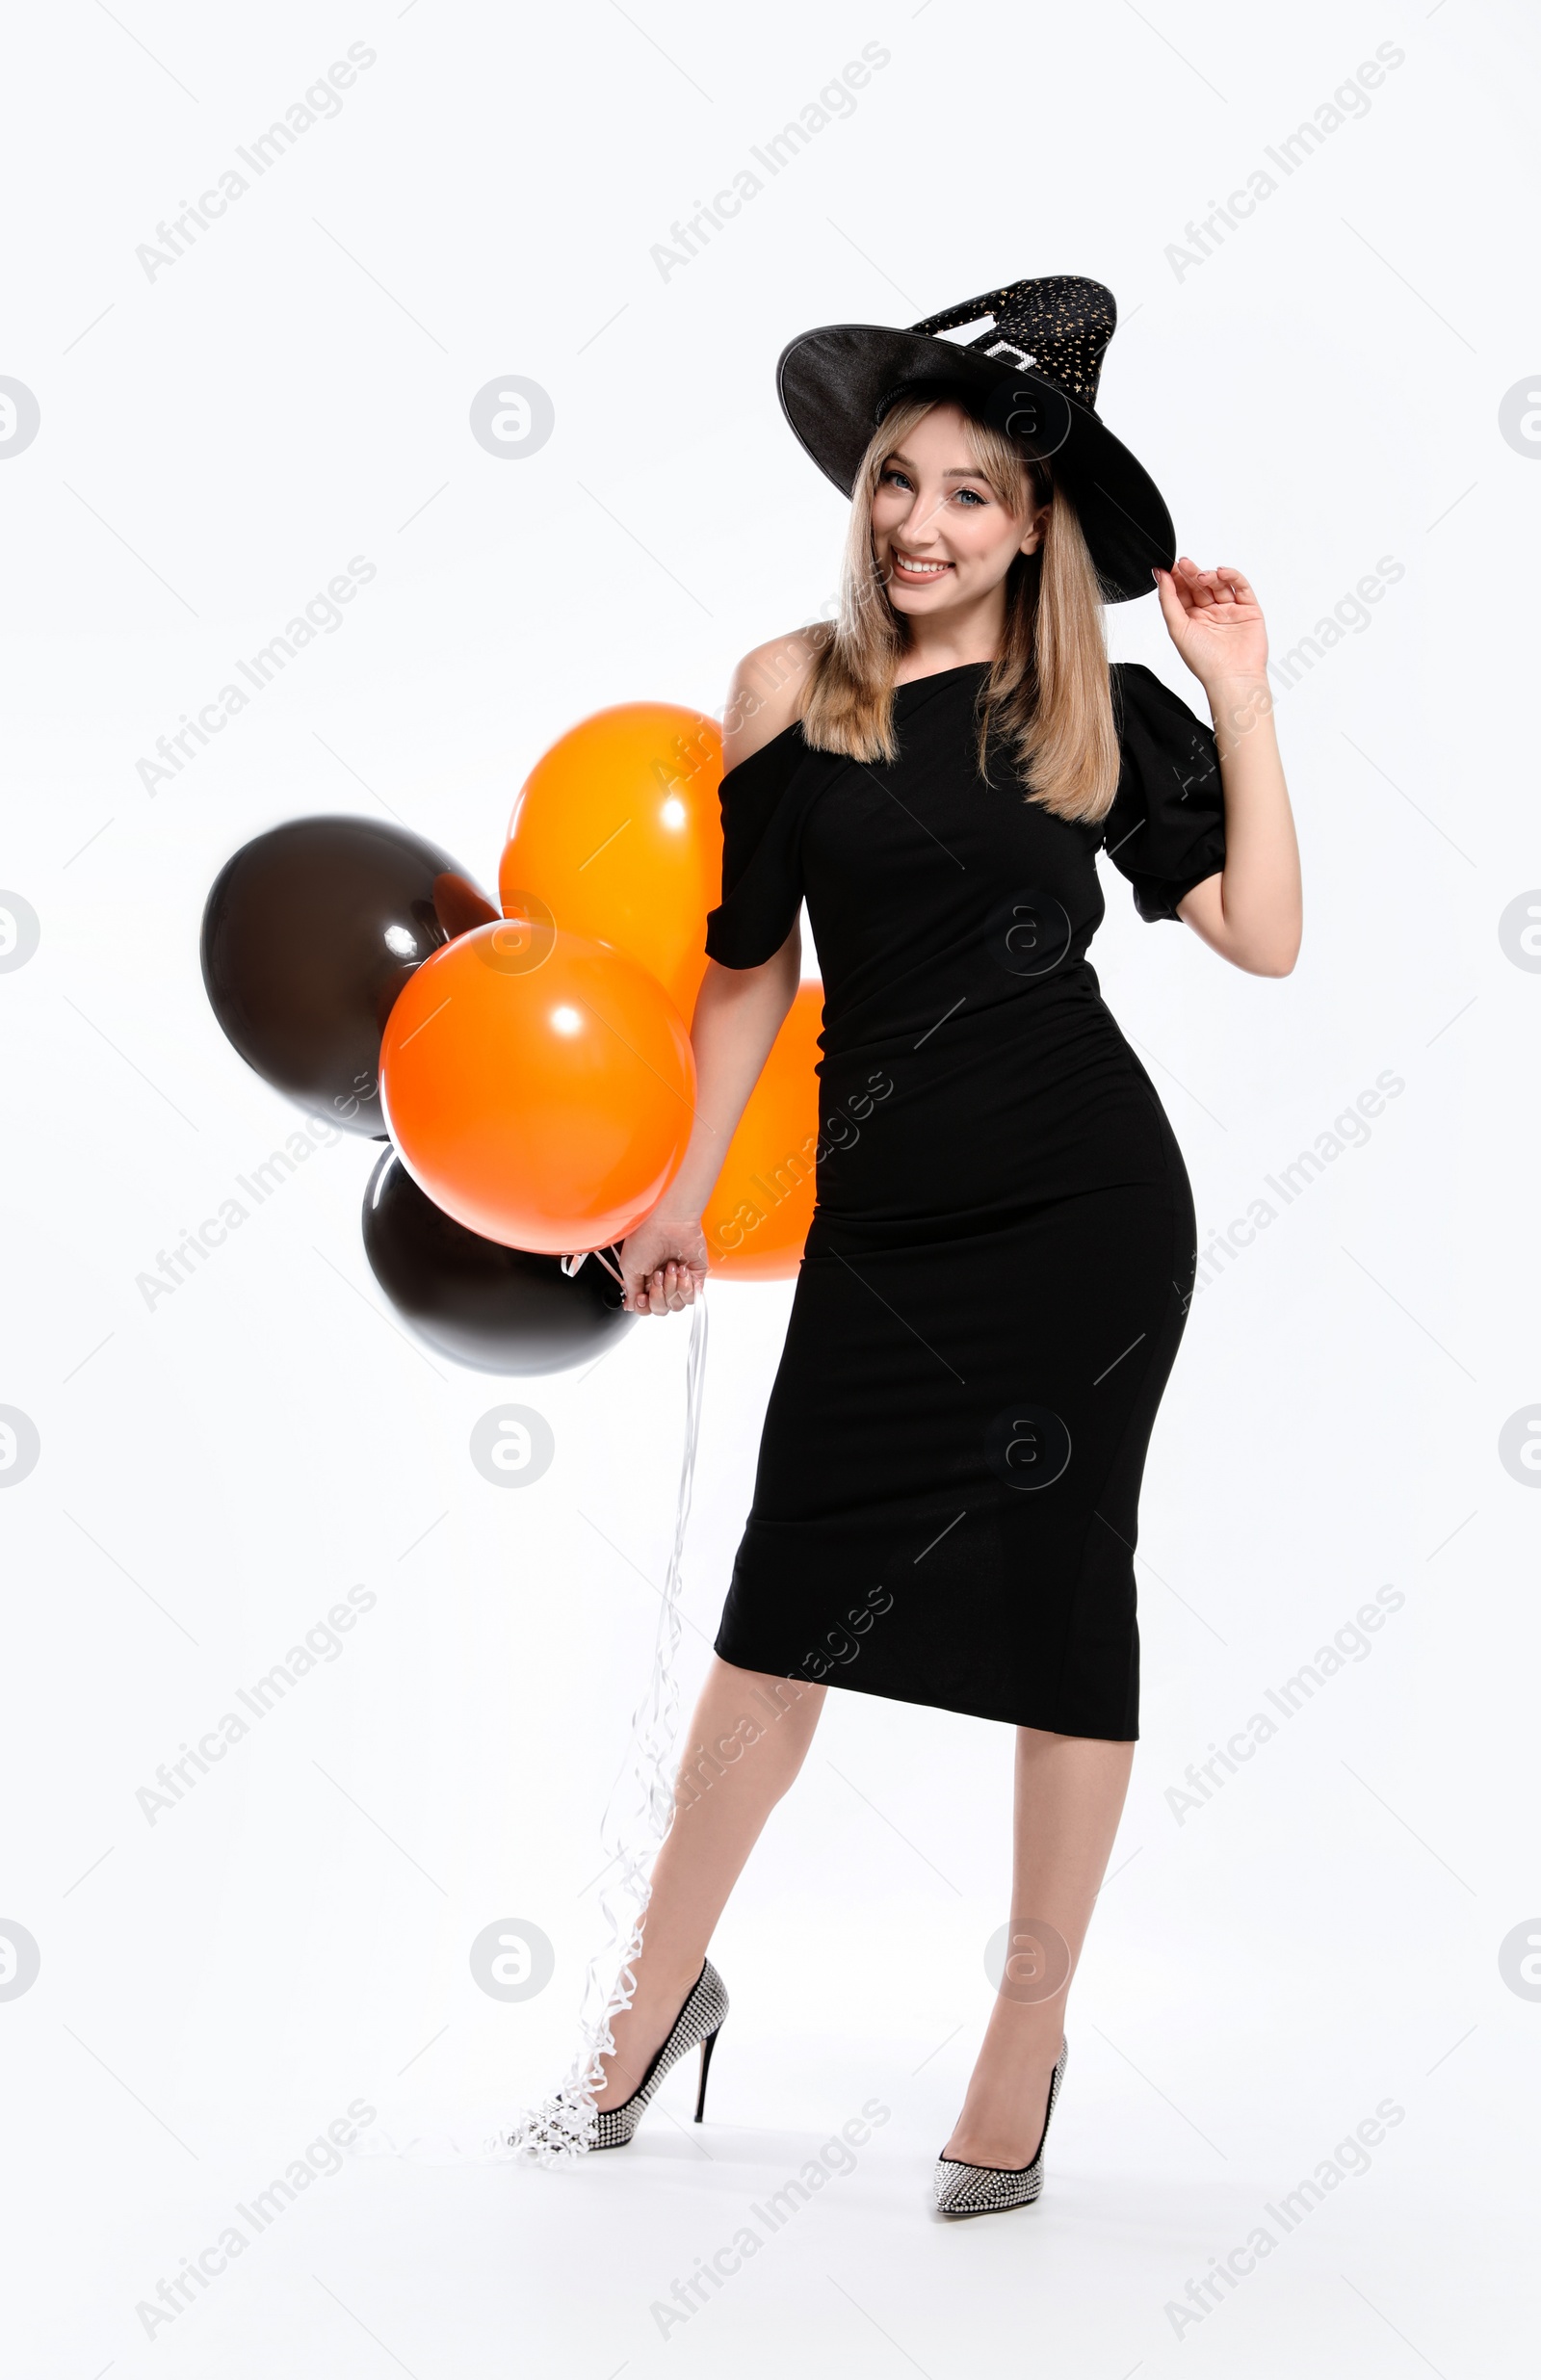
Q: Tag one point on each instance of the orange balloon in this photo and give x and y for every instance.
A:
(757, 1217)
(617, 833)
(539, 1088)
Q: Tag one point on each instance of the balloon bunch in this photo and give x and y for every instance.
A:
(529, 1063)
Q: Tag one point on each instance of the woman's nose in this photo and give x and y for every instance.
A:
(925, 514)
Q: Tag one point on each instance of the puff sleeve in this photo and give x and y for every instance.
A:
(1166, 832)
(762, 869)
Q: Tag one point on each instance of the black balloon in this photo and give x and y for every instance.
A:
(309, 934)
(497, 1309)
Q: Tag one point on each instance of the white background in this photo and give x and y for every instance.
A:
(1319, 392)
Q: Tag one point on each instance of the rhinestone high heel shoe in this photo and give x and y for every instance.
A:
(697, 2024)
(990, 2189)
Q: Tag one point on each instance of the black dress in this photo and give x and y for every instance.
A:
(1002, 1250)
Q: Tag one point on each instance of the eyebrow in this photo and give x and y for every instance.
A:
(973, 473)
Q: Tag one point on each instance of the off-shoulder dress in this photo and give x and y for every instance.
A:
(1002, 1250)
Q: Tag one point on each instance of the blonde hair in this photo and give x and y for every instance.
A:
(1047, 697)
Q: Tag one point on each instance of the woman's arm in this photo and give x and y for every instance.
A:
(739, 1012)
(1250, 911)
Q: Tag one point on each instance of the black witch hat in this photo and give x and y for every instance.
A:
(1033, 372)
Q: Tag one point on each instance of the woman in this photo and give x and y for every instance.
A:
(999, 1268)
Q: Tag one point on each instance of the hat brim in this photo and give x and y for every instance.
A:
(835, 383)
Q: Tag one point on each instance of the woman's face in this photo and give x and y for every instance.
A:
(941, 537)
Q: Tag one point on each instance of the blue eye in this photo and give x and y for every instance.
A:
(896, 477)
(973, 495)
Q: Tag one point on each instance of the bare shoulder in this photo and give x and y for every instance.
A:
(769, 688)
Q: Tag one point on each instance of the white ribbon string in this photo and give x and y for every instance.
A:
(637, 1819)
(571, 1264)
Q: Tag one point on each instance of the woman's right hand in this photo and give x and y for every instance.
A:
(664, 1263)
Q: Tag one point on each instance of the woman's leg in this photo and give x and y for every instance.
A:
(1069, 1795)
(746, 1742)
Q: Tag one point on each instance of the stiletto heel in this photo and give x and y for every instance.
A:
(707, 2047)
(697, 2024)
(990, 2189)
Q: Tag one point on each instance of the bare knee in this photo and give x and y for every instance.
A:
(752, 1726)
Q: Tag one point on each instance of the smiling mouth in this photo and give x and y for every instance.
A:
(909, 568)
